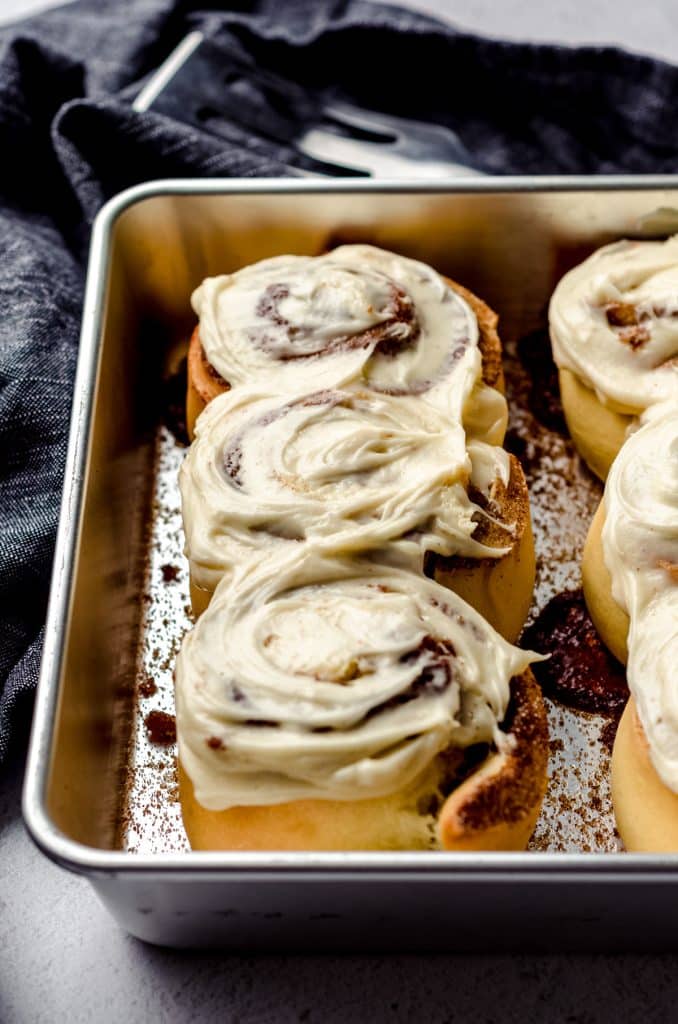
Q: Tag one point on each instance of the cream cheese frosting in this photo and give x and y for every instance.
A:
(349, 470)
(485, 415)
(640, 547)
(356, 314)
(614, 323)
(490, 465)
(312, 677)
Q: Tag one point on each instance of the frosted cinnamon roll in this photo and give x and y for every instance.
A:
(356, 315)
(339, 704)
(349, 471)
(498, 582)
(614, 330)
(631, 586)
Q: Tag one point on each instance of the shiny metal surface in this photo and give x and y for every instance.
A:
(509, 240)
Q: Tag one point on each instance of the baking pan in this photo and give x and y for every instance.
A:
(100, 793)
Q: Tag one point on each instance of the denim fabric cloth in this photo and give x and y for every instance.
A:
(69, 139)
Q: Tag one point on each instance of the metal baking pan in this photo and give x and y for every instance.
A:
(100, 798)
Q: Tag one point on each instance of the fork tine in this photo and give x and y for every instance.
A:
(354, 117)
(381, 123)
(372, 157)
(338, 149)
(406, 131)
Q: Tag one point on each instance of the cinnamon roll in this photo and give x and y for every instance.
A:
(614, 330)
(499, 582)
(355, 471)
(355, 316)
(630, 575)
(338, 704)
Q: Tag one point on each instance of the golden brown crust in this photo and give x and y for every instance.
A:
(404, 820)
(610, 620)
(205, 383)
(488, 342)
(497, 807)
(499, 588)
(646, 810)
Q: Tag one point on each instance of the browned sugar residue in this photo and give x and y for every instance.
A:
(621, 314)
(170, 573)
(534, 352)
(634, 337)
(580, 672)
(626, 317)
(161, 727)
(147, 687)
(214, 743)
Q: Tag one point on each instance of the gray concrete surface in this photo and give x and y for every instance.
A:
(63, 959)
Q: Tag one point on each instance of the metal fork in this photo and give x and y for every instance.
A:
(208, 85)
(410, 149)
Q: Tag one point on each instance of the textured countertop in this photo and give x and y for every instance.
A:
(62, 957)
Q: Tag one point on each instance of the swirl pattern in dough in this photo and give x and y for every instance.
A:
(352, 470)
(356, 314)
(311, 677)
(614, 323)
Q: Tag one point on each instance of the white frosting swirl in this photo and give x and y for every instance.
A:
(614, 323)
(640, 546)
(490, 465)
(309, 677)
(356, 314)
(349, 470)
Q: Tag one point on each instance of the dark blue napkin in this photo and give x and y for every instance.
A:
(69, 140)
